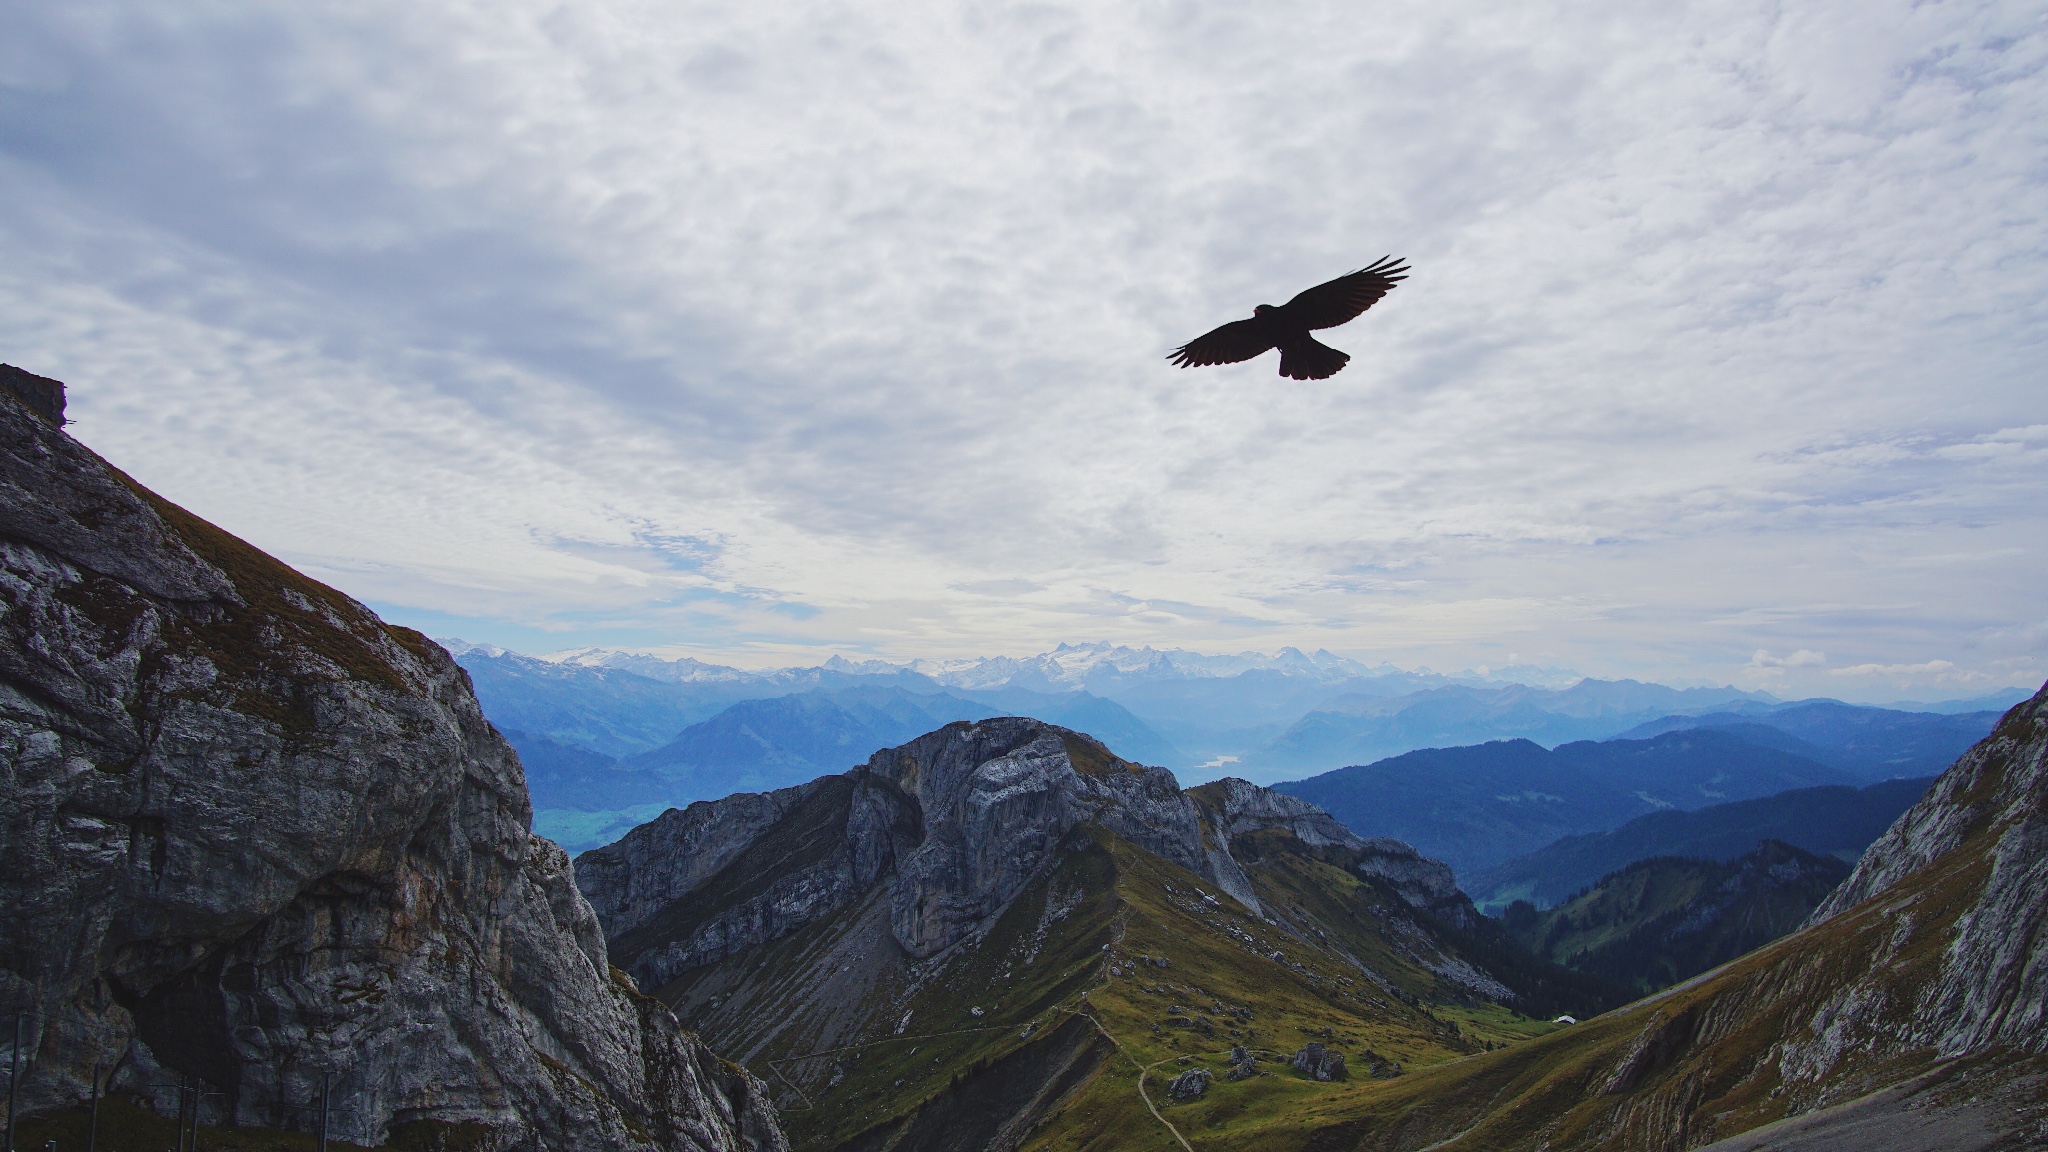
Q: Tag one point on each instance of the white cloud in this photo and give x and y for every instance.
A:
(1804, 658)
(769, 327)
(1942, 671)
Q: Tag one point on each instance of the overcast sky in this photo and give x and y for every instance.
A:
(762, 331)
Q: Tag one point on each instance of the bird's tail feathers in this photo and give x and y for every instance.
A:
(1311, 359)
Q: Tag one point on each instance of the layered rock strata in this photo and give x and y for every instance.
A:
(255, 835)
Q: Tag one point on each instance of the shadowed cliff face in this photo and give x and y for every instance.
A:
(253, 832)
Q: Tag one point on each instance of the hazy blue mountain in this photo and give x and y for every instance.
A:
(1871, 743)
(761, 744)
(757, 745)
(562, 775)
(1108, 721)
(1661, 920)
(1834, 821)
(606, 710)
(2000, 702)
(1477, 806)
(1359, 729)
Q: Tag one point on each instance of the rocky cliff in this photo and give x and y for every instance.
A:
(254, 834)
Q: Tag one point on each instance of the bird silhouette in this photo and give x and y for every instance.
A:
(1302, 356)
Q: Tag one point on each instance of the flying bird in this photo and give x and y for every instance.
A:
(1302, 356)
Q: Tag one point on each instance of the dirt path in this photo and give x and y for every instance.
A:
(1143, 1070)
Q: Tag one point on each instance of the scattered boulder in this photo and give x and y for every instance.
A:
(1319, 1063)
(1190, 1085)
(1243, 1065)
(1379, 1067)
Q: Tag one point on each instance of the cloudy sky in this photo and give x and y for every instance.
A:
(762, 331)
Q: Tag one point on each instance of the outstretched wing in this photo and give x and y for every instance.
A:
(1238, 340)
(1342, 300)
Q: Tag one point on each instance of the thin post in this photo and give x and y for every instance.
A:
(13, 1078)
(326, 1078)
(92, 1124)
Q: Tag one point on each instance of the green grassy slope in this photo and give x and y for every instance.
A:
(1819, 1017)
(1112, 962)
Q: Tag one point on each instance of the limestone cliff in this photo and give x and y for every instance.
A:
(253, 833)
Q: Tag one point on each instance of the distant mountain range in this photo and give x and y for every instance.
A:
(1872, 743)
(1833, 821)
(1360, 728)
(662, 724)
(1478, 806)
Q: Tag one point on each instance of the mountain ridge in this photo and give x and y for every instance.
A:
(1831, 820)
(1479, 806)
(882, 939)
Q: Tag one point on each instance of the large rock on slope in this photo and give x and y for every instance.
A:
(252, 832)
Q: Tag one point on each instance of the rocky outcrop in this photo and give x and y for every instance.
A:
(254, 834)
(1239, 807)
(1190, 1085)
(1319, 1063)
(996, 799)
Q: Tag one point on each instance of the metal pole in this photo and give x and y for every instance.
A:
(13, 1078)
(326, 1078)
(92, 1125)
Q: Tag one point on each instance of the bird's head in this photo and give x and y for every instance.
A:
(1262, 309)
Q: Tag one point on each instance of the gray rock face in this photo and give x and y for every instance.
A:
(253, 832)
(1237, 807)
(1421, 881)
(997, 798)
(959, 819)
(1992, 988)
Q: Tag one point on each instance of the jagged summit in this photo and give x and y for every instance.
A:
(982, 905)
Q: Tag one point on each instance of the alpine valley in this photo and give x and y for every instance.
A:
(273, 867)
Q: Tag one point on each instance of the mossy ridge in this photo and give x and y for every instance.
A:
(846, 1079)
(288, 626)
(1317, 995)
